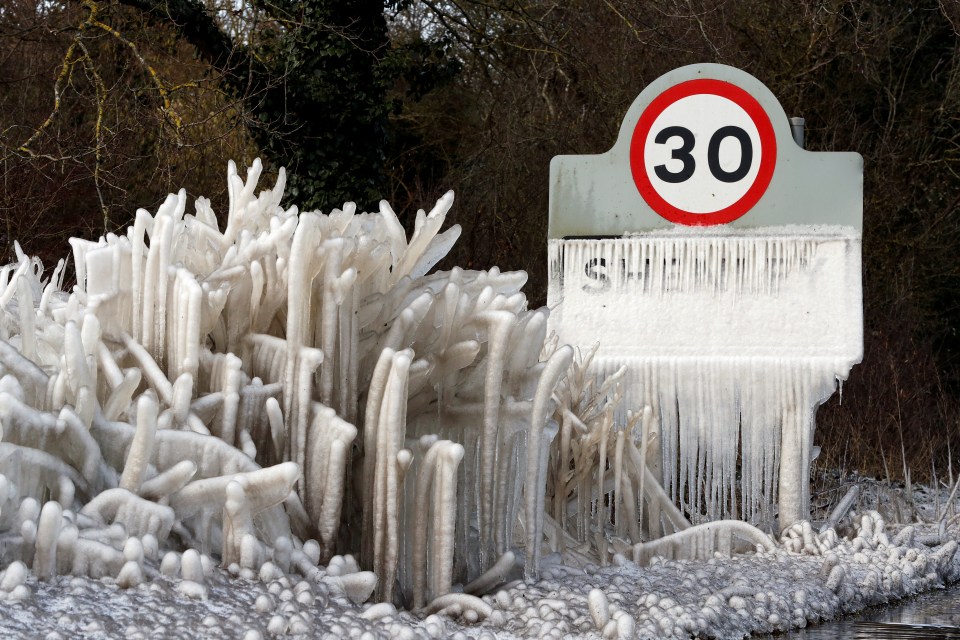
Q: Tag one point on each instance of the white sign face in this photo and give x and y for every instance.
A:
(703, 153)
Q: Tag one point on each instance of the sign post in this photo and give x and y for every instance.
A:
(720, 262)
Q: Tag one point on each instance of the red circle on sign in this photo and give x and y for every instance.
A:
(768, 152)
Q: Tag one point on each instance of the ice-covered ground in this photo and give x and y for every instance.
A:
(807, 578)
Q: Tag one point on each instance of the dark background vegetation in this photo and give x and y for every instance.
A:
(106, 105)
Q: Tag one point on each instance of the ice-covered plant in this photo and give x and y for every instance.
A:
(290, 377)
(604, 476)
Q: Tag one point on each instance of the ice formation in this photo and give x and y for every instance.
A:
(802, 578)
(271, 396)
(734, 337)
(272, 393)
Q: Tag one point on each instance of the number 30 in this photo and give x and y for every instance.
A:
(682, 153)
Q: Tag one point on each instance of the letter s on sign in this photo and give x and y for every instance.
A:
(596, 270)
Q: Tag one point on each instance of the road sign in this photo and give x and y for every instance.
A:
(719, 263)
(705, 144)
(703, 152)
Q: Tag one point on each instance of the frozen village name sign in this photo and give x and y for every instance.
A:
(720, 263)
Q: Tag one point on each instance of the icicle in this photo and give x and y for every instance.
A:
(557, 367)
(499, 325)
(141, 449)
(48, 530)
(697, 319)
(390, 461)
(438, 470)
(329, 441)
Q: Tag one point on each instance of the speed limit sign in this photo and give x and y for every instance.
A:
(703, 153)
(707, 147)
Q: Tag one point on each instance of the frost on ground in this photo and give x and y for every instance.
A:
(808, 577)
